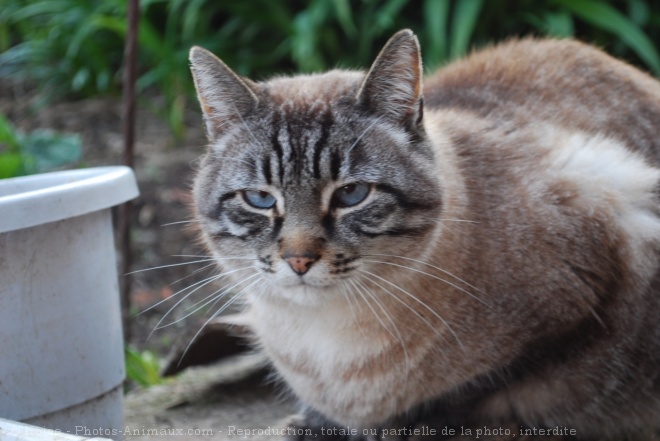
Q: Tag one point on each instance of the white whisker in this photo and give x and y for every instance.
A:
(442, 270)
(214, 298)
(434, 276)
(457, 220)
(227, 290)
(382, 307)
(411, 309)
(366, 301)
(169, 266)
(178, 223)
(207, 281)
(352, 303)
(446, 219)
(251, 164)
(217, 258)
(418, 301)
(217, 313)
(214, 277)
(191, 255)
(363, 133)
(236, 111)
(198, 270)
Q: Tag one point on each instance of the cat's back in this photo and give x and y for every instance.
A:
(559, 82)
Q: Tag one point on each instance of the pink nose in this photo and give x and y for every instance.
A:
(301, 264)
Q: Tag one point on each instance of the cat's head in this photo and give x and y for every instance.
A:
(315, 175)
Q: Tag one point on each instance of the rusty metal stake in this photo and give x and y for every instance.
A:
(128, 120)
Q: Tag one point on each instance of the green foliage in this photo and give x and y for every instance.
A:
(75, 47)
(142, 367)
(62, 45)
(603, 16)
(36, 152)
(625, 28)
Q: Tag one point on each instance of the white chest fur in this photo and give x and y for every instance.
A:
(320, 351)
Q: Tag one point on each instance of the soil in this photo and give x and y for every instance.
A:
(227, 401)
(163, 250)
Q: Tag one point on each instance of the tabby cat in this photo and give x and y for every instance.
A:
(480, 251)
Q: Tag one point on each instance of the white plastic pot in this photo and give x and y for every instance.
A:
(61, 345)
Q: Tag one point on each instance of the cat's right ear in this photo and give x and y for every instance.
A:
(225, 98)
(393, 86)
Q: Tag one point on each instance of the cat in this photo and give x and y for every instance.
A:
(480, 250)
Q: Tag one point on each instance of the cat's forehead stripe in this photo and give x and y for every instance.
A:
(266, 170)
(278, 149)
(299, 139)
(326, 122)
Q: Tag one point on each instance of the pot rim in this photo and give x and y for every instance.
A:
(29, 201)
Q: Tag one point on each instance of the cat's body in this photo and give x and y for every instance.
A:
(494, 253)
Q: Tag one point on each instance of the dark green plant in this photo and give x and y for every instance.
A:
(35, 152)
(625, 28)
(62, 45)
(605, 17)
(75, 47)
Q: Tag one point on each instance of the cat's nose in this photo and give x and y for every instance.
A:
(301, 263)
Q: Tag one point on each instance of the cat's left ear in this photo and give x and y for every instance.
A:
(225, 97)
(393, 86)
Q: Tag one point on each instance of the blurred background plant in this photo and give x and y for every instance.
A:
(73, 48)
(142, 368)
(35, 152)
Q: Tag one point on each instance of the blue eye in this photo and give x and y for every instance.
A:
(351, 194)
(259, 199)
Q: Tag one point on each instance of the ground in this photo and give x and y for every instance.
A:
(204, 397)
(230, 400)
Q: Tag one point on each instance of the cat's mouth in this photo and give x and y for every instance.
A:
(307, 293)
(319, 279)
(308, 281)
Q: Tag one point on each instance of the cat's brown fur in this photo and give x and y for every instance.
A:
(513, 277)
(607, 347)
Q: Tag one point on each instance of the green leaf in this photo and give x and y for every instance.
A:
(40, 8)
(559, 24)
(605, 17)
(142, 367)
(387, 14)
(191, 18)
(436, 17)
(462, 26)
(345, 17)
(11, 165)
(305, 40)
(638, 11)
(80, 79)
(51, 150)
(82, 34)
(115, 24)
(103, 80)
(8, 136)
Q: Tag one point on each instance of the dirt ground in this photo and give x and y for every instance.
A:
(234, 394)
(228, 401)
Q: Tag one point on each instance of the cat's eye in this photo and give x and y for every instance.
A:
(351, 194)
(259, 199)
